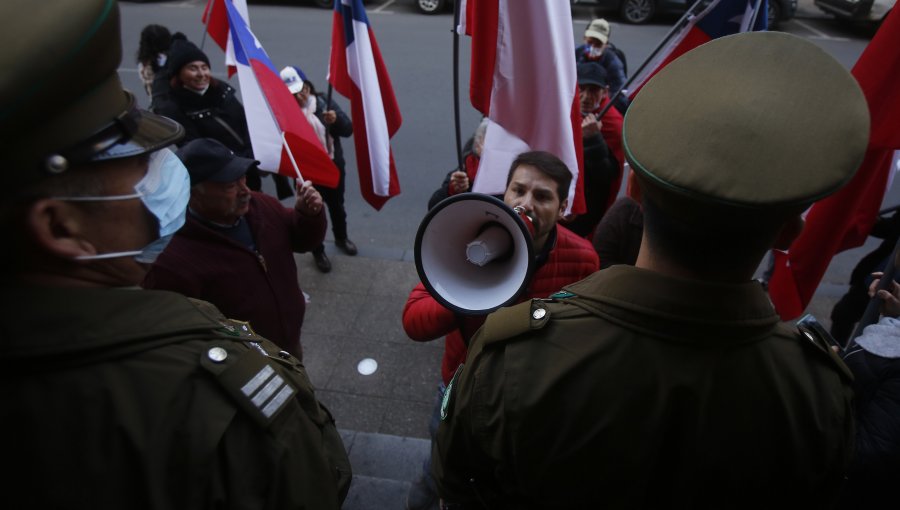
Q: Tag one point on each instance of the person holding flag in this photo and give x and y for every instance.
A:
(330, 124)
(233, 234)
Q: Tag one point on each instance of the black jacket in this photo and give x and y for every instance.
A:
(216, 114)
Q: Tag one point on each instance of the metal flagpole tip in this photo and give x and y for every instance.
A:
(367, 366)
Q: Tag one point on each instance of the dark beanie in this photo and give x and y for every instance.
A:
(183, 52)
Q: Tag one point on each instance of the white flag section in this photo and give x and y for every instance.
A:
(534, 86)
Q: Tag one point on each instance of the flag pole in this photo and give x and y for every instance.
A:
(756, 16)
(291, 156)
(210, 5)
(456, 14)
(665, 40)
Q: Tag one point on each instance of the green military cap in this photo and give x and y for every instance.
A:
(748, 126)
(61, 101)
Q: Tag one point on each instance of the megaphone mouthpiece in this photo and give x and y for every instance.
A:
(492, 243)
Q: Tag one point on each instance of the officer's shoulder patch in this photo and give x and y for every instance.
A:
(241, 329)
(563, 294)
(513, 321)
(252, 381)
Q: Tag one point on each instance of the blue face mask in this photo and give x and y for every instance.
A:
(165, 191)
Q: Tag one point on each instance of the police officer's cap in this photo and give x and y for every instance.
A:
(748, 126)
(62, 101)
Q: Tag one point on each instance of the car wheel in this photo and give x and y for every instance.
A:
(430, 6)
(773, 15)
(325, 4)
(637, 11)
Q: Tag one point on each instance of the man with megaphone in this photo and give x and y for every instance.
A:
(457, 294)
(673, 383)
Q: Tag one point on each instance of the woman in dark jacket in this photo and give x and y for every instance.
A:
(208, 108)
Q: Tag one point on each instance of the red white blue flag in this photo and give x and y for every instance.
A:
(719, 18)
(844, 220)
(357, 72)
(523, 79)
(279, 132)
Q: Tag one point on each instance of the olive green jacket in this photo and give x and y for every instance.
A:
(127, 398)
(635, 390)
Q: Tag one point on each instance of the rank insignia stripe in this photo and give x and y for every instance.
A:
(260, 388)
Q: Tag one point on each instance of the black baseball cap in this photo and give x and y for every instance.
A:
(207, 159)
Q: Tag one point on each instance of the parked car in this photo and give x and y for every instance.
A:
(640, 11)
(855, 10)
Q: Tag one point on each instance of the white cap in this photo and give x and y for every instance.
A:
(292, 79)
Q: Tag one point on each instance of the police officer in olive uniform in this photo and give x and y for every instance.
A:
(112, 396)
(673, 384)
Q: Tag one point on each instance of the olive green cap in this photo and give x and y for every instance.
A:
(746, 126)
(61, 101)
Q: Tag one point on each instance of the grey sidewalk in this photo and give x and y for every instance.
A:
(355, 313)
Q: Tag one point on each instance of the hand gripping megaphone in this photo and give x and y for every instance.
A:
(474, 253)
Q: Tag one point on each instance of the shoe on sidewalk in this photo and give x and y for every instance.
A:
(322, 261)
(346, 245)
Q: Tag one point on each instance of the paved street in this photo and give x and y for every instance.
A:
(354, 312)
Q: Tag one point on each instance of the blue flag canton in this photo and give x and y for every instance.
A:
(728, 16)
(246, 45)
(351, 10)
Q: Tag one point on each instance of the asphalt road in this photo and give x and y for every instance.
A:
(417, 51)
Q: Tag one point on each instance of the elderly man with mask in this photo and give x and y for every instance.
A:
(113, 396)
(236, 235)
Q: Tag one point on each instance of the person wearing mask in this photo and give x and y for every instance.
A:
(330, 124)
(114, 396)
(597, 48)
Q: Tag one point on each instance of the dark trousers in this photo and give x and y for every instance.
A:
(334, 200)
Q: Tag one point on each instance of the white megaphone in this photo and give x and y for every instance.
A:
(474, 253)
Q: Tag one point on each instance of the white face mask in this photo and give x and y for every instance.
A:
(594, 51)
(165, 191)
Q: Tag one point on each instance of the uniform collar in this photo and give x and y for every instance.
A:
(678, 308)
(66, 322)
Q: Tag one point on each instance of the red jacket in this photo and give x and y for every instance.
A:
(260, 288)
(572, 258)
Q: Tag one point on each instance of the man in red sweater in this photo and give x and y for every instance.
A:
(236, 249)
(539, 183)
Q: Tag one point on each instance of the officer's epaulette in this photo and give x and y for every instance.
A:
(246, 370)
(814, 336)
(513, 321)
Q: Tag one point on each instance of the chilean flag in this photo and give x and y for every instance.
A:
(215, 17)
(274, 119)
(357, 72)
(718, 19)
(844, 220)
(523, 79)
